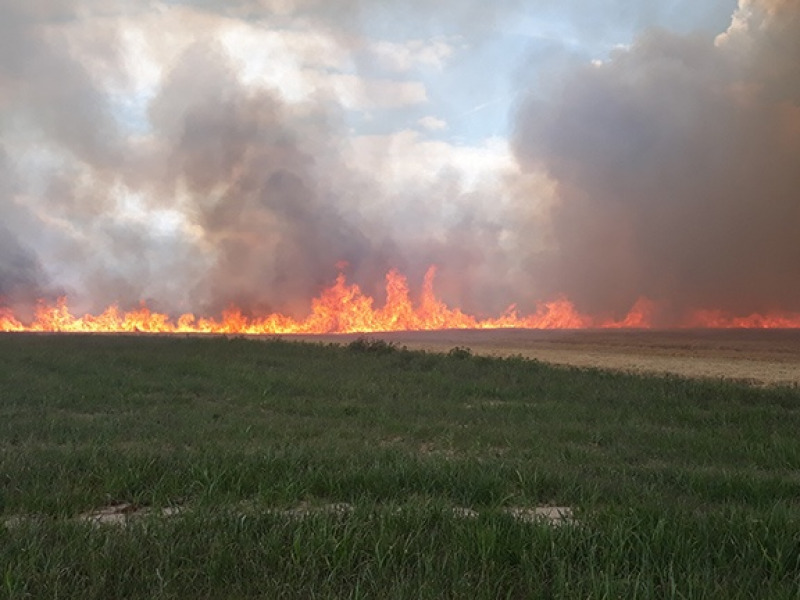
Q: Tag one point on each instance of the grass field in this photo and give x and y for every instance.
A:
(165, 467)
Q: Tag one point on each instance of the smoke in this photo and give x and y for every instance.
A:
(229, 195)
(246, 165)
(221, 202)
(677, 166)
(21, 276)
(44, 87)
(174, 175)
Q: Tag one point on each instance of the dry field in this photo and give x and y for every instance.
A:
(766, 357)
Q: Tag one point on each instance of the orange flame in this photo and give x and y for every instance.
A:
(717, 319)
(344, 308)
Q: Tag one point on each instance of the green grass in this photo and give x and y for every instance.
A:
(681, 488)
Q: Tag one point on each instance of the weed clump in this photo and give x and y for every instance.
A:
(373, 346)
(460, 352)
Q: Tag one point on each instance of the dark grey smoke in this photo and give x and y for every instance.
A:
(678, 170)
(21, 277)
(247, 164)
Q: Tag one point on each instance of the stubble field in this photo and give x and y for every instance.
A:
(169, 467)
(756, 356)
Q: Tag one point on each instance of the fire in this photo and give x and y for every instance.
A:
(344, 308)
(717, 319)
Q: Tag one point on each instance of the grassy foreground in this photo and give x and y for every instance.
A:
(308, 471)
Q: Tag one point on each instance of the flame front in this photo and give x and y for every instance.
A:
(344, 308)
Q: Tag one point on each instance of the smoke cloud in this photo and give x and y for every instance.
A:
(677, 166)
(230, 195)
(151, 167)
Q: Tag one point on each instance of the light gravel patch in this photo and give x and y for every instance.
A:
(121, 514)
(554, 516)
(548, 515)
(304, 511)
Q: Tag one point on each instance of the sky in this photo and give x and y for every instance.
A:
(195, 154)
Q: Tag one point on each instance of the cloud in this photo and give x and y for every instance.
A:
(412, 54)
(357, 92)
(432, 123)
(677, 165)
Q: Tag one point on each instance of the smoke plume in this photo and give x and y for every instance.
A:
(677, 166)
(669, 170)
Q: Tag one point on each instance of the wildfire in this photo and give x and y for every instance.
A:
(344, 308)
